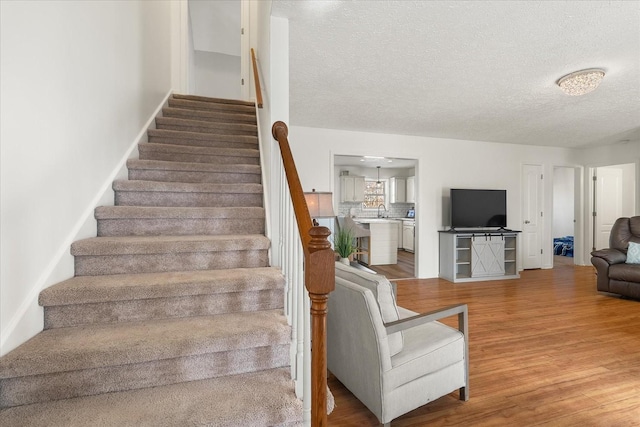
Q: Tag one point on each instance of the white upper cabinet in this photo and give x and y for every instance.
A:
(397, 190)
(351, 188)
(411, 189)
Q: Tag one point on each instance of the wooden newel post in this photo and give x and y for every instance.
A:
(320, 281)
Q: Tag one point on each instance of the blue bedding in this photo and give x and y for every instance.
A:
(563, 246)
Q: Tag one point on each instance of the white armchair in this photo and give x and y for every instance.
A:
(392, 359)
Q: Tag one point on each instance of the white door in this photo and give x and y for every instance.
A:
(532, 216)
(608, 203)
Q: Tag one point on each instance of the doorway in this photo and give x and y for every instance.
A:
(387, 193)
(217, 48)
(613, 196)
(563, 217)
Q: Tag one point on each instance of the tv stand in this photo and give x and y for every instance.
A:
(475, 255)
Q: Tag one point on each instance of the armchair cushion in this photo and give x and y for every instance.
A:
(625, 272)
(633, 253)
(427, 348)
(383, 293)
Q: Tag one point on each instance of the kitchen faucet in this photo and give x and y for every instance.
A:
(383, 207)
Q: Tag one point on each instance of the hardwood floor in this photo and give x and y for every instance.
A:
(545, 350)
(404, 269)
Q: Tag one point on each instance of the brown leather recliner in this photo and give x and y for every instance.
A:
(614, 275)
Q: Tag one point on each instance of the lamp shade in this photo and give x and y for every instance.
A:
(320, 204)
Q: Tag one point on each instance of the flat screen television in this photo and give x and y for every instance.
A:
(478, 208)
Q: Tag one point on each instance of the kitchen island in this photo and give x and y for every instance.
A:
(383, 242)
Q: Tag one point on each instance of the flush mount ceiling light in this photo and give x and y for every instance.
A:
(581, 82)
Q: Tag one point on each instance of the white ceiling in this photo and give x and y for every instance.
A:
(481, 70)
(373, 162)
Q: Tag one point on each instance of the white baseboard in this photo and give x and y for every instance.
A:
(29, 318)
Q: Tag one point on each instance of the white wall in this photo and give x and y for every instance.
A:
(215, 35)
(629, 189)
(79, 82)
(216, 75)
(216, 26)
(563, 202)
(442, 164)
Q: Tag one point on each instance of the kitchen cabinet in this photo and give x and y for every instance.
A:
(383, 242)
(351, 188)
(400, 246)
(397, 190)
(411, 189)
(408, 235)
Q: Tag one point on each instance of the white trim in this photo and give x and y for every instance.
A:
(48, 275)
(266, 192)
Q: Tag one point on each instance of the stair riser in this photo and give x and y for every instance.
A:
(63, 316)
(211, 106)
(194, 177)
(179, 226)
(64, 385)
(199, 158)
(203, 143)
(93, 265)
(203, 128)
(171, 199)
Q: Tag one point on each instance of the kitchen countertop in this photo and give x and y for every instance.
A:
(382, 220)
(375, 220)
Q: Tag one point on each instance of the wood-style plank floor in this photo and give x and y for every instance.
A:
(404, 269)
(545, 350)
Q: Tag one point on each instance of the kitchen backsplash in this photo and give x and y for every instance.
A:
(394, 210)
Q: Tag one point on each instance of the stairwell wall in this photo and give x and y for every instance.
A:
(80, 81)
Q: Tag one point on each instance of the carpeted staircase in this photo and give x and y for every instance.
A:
(173, 317)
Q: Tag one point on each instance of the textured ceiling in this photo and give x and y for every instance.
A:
(483, 70)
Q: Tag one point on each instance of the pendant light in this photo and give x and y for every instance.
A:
(378, 181)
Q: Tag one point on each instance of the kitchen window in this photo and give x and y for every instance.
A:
(375, 194)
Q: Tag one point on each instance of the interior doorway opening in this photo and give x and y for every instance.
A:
(393, 216)
(563, 219)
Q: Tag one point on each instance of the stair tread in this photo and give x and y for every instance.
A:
(211, 106)
(194, 149)
(185, 187)
(183, 134)
(213, 100)
(143, 212)
(253, 399)
(101, 345)
(144, 245)
(213, 116)
(121, 287)
(193, 166)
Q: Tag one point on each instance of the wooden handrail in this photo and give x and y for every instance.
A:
(319, 273)
(256, 79)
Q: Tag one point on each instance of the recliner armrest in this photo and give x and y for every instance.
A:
(610, 255)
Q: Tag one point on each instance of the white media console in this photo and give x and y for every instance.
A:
(468, 256)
